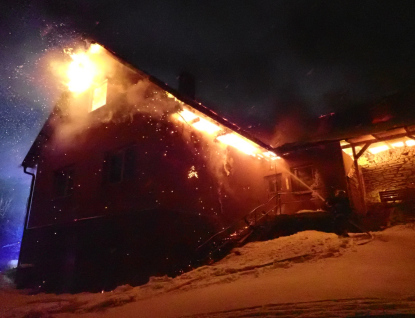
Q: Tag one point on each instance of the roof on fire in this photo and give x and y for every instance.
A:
(31, 157)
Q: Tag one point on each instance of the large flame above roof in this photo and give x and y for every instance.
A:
(82, 70)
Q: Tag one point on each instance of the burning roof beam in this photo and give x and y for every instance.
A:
(199, 122)
(238, 142)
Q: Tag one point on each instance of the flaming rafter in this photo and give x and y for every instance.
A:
(202, 123)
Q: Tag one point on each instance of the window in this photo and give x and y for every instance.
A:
(302, 178)
(99, 96)
(119, 165)
(63, 182)
(274, 183)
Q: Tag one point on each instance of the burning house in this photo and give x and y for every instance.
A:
(130, 177)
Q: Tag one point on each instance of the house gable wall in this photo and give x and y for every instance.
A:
(228, 185)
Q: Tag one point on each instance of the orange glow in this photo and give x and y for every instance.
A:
(187, 115)
(410, 143)
(398, 144)
(173, 97)
(378, 149)
(192, 173)
(232, 139)
(95, 48)
(198, 122)
(271, 155)
(239, 143)
(82, 71)
(99, 98)
(206, 126)
(348, 151)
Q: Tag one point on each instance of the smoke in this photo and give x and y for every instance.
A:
(127, 93)
(146, 97)
(296, 123)
(70, 119)
(136, 93)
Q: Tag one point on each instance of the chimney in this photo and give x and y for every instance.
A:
(187, 85)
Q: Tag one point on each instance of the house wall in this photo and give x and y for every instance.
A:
(164, 158)
(327, 162)
(229, 183)
(139, 114)
(147, 224)
(388, 170)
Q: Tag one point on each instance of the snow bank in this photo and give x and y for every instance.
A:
(264, 267)
(243, 261)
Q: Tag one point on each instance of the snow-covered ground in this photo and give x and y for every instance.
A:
(309, 274)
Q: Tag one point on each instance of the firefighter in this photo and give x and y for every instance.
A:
(339, 207)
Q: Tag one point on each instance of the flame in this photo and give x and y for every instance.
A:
(410, 143)
(206, 126)
(82, 71)
(95, 48)
(231, 139)
(271, 155)
(198, 122)
(187, 115)
(239, 143)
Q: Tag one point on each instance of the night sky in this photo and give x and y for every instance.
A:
(255, 62)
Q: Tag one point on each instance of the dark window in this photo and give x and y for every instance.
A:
(63, 182)
(119, 165)
(274, 183)
(302, 178)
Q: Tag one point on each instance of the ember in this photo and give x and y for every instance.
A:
(192, 173)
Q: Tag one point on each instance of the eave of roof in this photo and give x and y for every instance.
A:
(33, 153)
(191, 102)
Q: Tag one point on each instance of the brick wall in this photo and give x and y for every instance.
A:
(388, 170)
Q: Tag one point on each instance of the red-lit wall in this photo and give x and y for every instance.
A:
(329, 176)
(165, 153)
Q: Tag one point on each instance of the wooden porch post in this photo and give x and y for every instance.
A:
(358, 175)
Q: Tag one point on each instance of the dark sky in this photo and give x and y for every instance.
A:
(256, 62)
